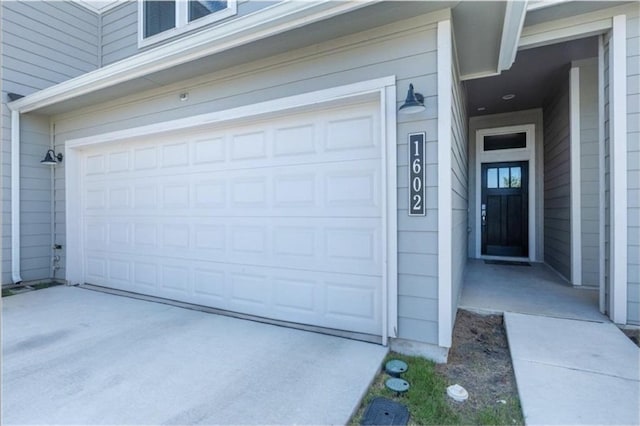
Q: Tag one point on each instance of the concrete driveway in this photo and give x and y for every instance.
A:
(76, 356)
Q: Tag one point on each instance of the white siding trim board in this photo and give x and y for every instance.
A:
(618, 169)
(445, 208)
(382, 89)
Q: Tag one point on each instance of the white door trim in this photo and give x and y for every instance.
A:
(383, 89)
(518, 154)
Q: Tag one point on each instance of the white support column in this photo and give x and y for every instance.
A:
(618, 170)
(576, 195)
(444, 57)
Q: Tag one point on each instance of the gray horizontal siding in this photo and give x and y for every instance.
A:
(119, 33)
(589, 172)
(405, 49)
(120, 29)
(557, 188)
(43, 44)
(633, 168)
(460, 189)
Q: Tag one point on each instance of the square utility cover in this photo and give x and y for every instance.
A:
(383, 411)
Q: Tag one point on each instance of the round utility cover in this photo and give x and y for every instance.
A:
(397, 385)
(395, 367)
(457, 392)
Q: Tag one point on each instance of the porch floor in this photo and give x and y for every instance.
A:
(534, 290)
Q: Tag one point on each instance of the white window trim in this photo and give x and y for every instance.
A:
(516, 154)
(383, 88)
(182, 21)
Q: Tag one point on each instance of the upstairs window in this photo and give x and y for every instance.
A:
(162, 19)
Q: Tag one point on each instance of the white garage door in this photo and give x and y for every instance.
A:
(279, 218)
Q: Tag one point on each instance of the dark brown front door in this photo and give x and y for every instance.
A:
(504, 209)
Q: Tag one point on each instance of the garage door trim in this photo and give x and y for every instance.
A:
(383, 90)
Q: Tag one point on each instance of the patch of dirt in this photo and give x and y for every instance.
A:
(633, 334)
(480, 361)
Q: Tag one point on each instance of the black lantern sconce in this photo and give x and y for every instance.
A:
(51, 158)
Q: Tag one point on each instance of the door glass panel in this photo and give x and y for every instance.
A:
(503, 179)
(516, 177)
(492, 178)
(201, 8)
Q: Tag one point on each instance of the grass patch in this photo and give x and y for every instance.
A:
(6, 292)
(508, 413)
(425, 399)
(428, 403)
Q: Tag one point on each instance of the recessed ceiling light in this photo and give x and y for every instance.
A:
(508, 97)
(481, 108)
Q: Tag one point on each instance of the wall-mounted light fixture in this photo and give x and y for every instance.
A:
(51, 158)
(414, 102)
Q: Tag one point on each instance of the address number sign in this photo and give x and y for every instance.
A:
(417, 190)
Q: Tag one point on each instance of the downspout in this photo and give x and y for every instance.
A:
(15, 197)
(52, 216)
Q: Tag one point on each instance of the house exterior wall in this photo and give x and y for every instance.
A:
(43, 43)
(459, 188)
(633, 166)
(589, 171)
(119, 29)
(557, 182)
(406, 49)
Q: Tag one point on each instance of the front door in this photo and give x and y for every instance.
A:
(504, 209)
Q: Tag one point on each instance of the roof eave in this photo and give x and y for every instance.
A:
(276, 19)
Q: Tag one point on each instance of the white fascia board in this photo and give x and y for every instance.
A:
(514, 15)
(579, 26)
(543, 4)
(273, 20)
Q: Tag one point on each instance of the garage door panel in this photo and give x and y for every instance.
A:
(316, 244)
(327, 299)
(279, 218)
(333, 189)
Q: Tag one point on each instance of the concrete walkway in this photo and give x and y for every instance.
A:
(75, 356)
(573, 372)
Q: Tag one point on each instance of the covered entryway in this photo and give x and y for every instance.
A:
(280, 217)
(543, 120)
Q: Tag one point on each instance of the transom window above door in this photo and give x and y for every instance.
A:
(162, 19)
(506, 141)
